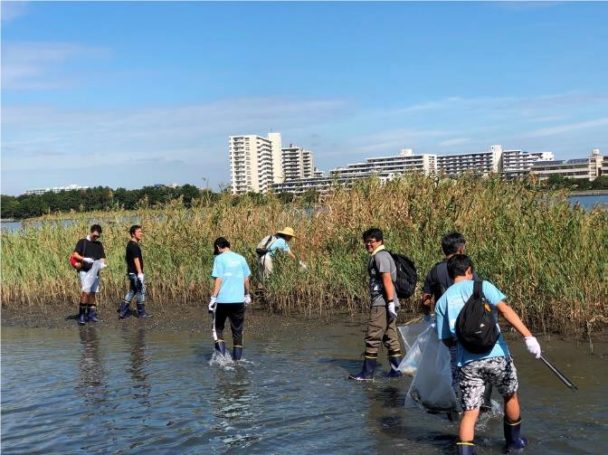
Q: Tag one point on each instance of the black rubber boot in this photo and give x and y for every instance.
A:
(82, 312)
(465, 448)
(220, 347)
(92, 313)
(237, 353)
(394, 359)
(141, 311)
(514, 442)
(367, 372)
(123, 310)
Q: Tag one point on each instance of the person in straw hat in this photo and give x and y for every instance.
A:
(271, 245)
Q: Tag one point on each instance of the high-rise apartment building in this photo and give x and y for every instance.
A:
(297, 163)
(255, 162)
(518, 163)
(483, 163)
(588, 168)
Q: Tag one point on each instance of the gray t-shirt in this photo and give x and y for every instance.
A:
(379, 263)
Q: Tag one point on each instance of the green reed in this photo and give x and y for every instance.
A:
(548, 257)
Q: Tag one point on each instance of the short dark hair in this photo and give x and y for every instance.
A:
(458, 265)
(373, 233)
(452, 243)
(220, 242)
(134, 228)
(96, 228)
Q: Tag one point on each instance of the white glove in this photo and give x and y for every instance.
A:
(103, 265)
(212, 304)
(303, 266)
(247, 299)
(392, 311)
(533, 346)
(140, 277)
(88, 260)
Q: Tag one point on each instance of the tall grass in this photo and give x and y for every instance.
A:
(549, 258)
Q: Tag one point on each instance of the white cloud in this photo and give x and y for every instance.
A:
(455, 141)
(12, 10)
(38, 65)
(567, 128)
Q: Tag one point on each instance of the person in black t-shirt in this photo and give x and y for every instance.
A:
(135, 273)
(87, 251)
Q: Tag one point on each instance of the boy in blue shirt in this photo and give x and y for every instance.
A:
(474, 370)
(230, 295)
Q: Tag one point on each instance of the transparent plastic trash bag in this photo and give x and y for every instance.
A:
(92, 276)
(413, 336)
(431, 387)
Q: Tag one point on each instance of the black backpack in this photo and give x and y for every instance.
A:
(264, 244)
(476, 325)
(405, 285)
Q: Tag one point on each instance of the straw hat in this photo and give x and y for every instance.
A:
(287, 231)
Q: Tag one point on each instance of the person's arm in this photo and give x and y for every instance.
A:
(216, 287)
(103, 255)
(246, 284)
(291, 255)
(512, 318)
(388, 286)
(137, 263)
(443, 324)
(77, 249)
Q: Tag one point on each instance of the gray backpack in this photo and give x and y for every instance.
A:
(264, 245)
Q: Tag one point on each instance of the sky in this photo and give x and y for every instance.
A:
(127, 94)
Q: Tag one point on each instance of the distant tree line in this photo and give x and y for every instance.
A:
(559, 182)
(99, 198)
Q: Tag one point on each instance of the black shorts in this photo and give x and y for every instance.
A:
(236, 313)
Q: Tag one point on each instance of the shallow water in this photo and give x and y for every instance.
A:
(134, 390)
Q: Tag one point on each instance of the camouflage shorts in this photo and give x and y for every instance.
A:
(498, 371)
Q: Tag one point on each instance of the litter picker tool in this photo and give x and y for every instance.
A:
(567, 382)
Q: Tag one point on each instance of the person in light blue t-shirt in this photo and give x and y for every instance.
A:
(230, 296)
(474, 370)
(275, 244)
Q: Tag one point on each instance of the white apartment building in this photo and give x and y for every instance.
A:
(57, 189)
(517, 163)
(297, 163)
(254, 161)
(483, 163)
(588, 168)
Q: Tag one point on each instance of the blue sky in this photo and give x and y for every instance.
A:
(129, 94)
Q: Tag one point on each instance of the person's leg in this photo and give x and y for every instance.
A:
(219, 321)
(391, 342)
(471, 384)
(82, 306)
(376, 326)
(507, 384)
(237, 322)
(124, 310)
(141, 298)
(91, 307)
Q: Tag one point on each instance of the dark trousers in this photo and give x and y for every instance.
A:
(236, 313)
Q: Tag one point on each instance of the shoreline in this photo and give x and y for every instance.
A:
(588, 193)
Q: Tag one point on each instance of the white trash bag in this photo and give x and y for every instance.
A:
(409, 363)
(431, 388)
(92, 276)
(410, 332)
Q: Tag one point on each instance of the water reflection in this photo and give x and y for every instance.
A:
(92, 385)
(233, 406)
(137, 368)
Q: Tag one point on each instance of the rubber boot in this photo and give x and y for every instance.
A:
(220, 347)
(92, 313)
(367, 372)
(141, 311)
(465, 448)
(514, 442)
(82, 310)
(237, 353)
(394, 360)
(123, 310)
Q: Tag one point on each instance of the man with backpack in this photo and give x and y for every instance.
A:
(269, 246)
(381, 327)
(467, 317)
(87, 251)
(135, 274)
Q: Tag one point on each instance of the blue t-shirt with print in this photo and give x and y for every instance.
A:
(280, 244)
(232, 268)
(449, 306)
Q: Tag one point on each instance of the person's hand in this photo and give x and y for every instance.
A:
(212, 304)
(88, 260)
(303, 266)
(247, 299)
(392, 311)
(140, 277)
(533, 346)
